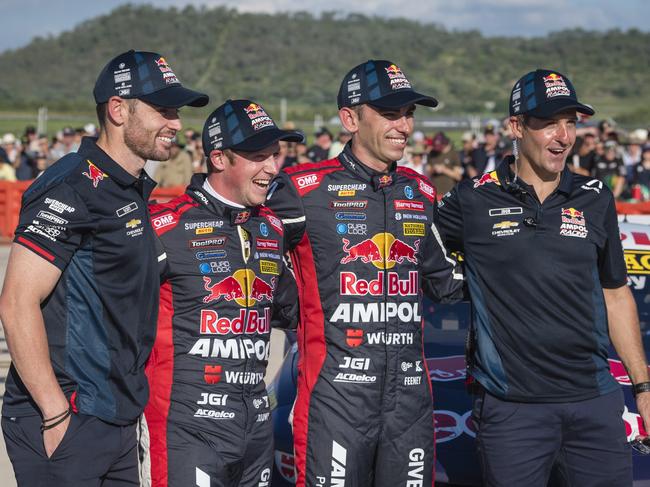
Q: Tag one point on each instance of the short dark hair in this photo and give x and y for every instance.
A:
(101, 109)
(226, 152)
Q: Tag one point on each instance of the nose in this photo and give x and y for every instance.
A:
(404, 124)
(272, 165)
(175, 123)
(563, 133)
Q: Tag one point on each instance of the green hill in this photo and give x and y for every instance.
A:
(303, 58)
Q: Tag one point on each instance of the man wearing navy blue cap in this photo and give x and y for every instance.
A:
(547, 281)
(363, 236)
(82, 328)
(223, 282)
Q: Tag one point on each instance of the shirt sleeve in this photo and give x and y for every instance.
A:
(53, 223)
(285, 300)
(441, 277)
(611, 261)
(285, 202)
(450, 220)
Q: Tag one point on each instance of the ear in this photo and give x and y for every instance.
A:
(516, 127)
(117, 110)
(218, 160)
(349, 119)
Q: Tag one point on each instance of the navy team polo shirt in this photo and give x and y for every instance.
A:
(89, 217)
(536, 273)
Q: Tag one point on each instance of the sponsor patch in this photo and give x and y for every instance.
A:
(163, 220)
(573, 223)
(346, 187)
(349, 205)
(505, 228)
(555, 86)
(267, 244)
(125, 210)
(59, 206)
(210, 254)
(52, 218)
(413, 229)
(347, 192)
(515, 210)
(637, 261)
(208, 242)
(402, 205)
(350, 215)
(269, 267)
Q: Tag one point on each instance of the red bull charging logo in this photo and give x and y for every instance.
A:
(383, 250)
(488, 177)
(94, 174)
(243, 287)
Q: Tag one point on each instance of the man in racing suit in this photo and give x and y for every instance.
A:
(364, 245)
(223, 281)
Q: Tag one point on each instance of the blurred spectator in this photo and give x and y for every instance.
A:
(610, 169)
(7, 172)
(44, 148)
(642, 176)
(465, 154)
(30, 140)
(632, 154)
(336, 148)
(177, 170)
(198, 157)
(320, 150)
(444, 163)
(584, 155)
(90, 130)
(486, 157)
(415, 159)
(607, 130)
(301, 153)
(65, 143)
(41, 163)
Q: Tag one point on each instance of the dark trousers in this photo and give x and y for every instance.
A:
(92, 453)
(518, 443)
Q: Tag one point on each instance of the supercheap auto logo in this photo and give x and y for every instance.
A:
(243, 287)
(383, 250)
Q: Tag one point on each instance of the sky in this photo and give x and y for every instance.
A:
(24, 19)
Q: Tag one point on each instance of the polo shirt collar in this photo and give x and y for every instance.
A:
(506, 177)
(94, 154)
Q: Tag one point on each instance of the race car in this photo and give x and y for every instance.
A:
(445, 330)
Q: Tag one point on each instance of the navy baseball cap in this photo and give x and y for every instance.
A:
(243, 125)
(381, 84)
(543, 93)
(145, 76)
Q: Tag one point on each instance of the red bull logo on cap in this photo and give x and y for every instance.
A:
(383, 250)
(393, 69)
(488, 177)
(254, 111)
(555, 86)
(163, 65)
(94, 174)
(243, 287)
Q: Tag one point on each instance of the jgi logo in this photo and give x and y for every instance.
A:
(355, 363)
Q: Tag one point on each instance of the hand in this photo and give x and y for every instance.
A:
(52, 438)
(643, 405)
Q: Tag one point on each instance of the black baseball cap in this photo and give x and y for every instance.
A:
(381, 84)
(543, 93)
(243, 125)
(145, 76)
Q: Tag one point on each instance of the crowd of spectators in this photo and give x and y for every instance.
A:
(620, 159)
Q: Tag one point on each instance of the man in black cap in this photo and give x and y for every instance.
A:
(364, 242)
(223, 281)
(547, 280)
(80, 298)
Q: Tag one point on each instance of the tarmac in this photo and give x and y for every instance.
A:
(6, 472)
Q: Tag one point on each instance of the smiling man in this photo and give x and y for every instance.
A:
(547, 281)
(365, 245)
(80, 297)
(223, 281)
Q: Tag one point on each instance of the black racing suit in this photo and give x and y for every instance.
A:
(364, 246)
(223, 281)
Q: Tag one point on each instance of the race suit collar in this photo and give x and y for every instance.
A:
(237, 216)
(377, 179)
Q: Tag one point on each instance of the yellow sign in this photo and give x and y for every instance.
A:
(637, 261)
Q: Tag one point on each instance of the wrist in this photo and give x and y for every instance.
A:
(54, 406)
(640, 388)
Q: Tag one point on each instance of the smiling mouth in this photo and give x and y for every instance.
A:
(166, 140)
(262, 183)
(557, 152)
(399, 141)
